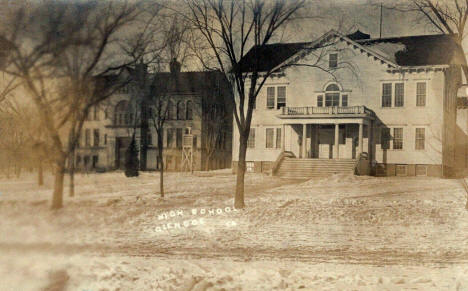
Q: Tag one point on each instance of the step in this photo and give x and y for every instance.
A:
(308, 168)
(319, 164)
(314, 168)
(312, 171)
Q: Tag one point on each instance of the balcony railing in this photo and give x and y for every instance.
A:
(331, 110)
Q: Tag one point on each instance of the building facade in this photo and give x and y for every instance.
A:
(391, 101)
(198, 103)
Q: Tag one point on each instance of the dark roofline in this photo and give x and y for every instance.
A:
(273, 55)
(406, 37)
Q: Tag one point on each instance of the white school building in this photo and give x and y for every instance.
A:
(387, 106)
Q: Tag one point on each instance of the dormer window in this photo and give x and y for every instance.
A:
(333, 61)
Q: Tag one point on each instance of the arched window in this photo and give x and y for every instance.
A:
(180, 110)
(332, 95)
(123, 113)
(332, 87)
(170, 110)
(189, 110)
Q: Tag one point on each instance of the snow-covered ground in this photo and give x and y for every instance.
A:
(335, 233)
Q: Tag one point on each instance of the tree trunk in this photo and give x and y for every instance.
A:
(207, 161)
(239, 198)
(40, 174)
(161, 163)
(71, 161)
(161, 178)
(57, 198)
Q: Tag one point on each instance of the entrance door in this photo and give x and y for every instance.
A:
(121, 146)
(326, 142)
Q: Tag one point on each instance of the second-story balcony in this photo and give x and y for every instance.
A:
(324, 112)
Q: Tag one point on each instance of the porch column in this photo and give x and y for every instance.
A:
(337, 141)
(360, 138)
(283, 135)
(369, 141)
(304, 137)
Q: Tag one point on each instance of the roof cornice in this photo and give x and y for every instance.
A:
(334, 33)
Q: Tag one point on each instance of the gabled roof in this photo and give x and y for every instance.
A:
(269, 56)
(423, 50)
(188, 82)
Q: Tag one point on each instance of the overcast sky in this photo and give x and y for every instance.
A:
(362, 14)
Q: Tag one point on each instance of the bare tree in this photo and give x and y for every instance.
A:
(216, 119)
(230, 28)
(60, 51)
(158, 116)
(447, 17)
(162, 38)
(22, 138)
(13, 138)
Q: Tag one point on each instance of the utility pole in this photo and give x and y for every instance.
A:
(381, 16)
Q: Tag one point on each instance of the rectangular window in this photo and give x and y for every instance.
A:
(95, 113)
(170, 137)
(421, 94)
(387, 95)
(344, 100)
(270, 97)
(278, 138)
(179, 138)
(332, 61)
(150, 139)
(87, 137)
(105, 138)
(399, 94)
(269, 138)
(421, 170)
(95, 162)
(96, 137)
(281, 97)
(250, 166)
(320, 100)
(251, 139)
(398, 138)
(332, 99)
(420, 138)
(385, 138)
(401, 170)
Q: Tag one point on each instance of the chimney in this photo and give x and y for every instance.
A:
(174, 66)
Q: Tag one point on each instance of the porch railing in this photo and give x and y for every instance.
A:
(310, 110)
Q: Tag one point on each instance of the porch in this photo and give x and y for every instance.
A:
(327, 132)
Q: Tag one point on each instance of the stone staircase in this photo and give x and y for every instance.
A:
(294, 168)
